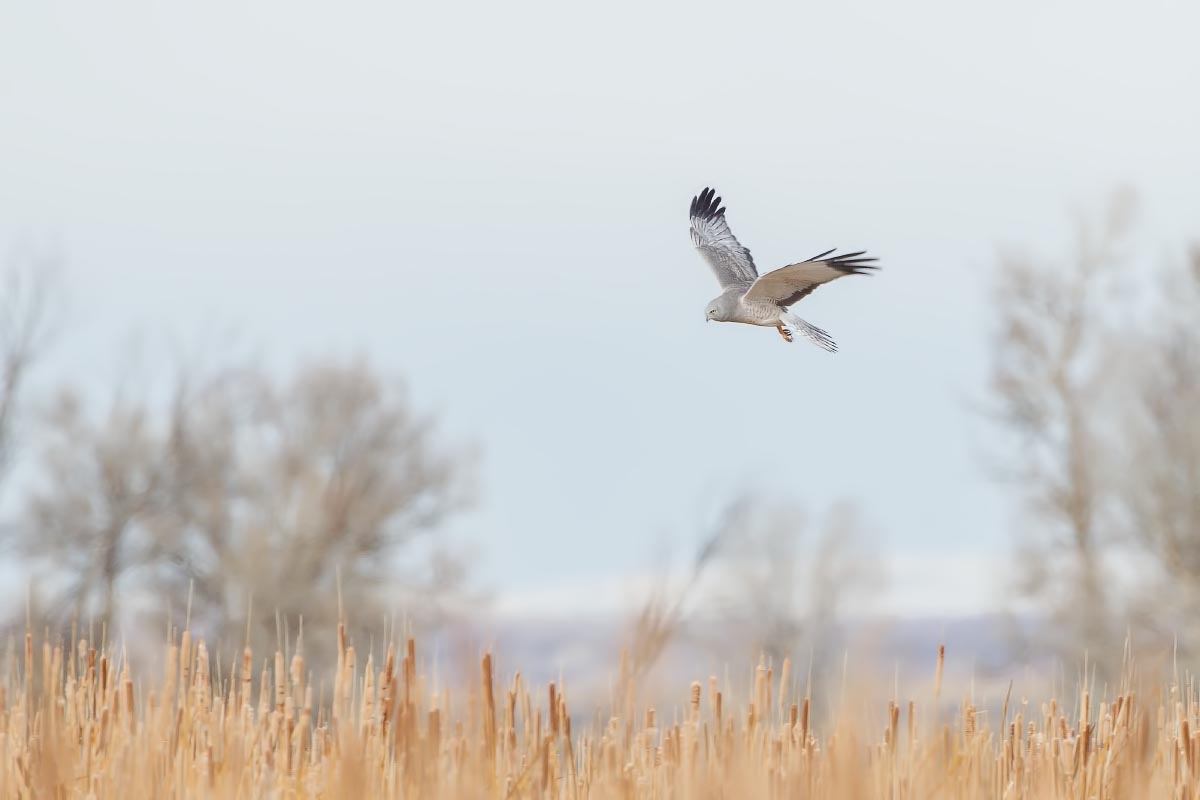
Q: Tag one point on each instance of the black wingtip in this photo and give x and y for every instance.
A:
(706, 205)
(853, 263)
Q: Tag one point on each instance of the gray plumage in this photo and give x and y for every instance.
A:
(753, 300)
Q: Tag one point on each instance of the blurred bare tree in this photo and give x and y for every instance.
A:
(26, 322)
(276, 488)
(1049, 374)
(1160, 493)
(88, 517)
(784, 581)
(759, 582)
(662, 614)
(252, 492)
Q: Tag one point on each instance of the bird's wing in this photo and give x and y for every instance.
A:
(788, 285)
(711, 236)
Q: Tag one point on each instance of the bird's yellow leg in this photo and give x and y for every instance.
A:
(784, 332)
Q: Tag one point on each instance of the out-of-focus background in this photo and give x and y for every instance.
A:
(399, 297)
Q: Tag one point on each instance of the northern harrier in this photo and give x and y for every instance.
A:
(754, 300)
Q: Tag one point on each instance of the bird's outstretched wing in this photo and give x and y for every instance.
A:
(712, 237)
(790, 284)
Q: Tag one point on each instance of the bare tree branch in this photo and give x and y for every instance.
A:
(661, 615)
(26, 321)
(249, 487)
(1050, 369)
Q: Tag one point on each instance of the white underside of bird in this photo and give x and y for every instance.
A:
(764, 300)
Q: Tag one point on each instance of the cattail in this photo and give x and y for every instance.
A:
(509, 740)
(185, 665)
(280, 682)
(406, 712)
(85, 724)
(339, 671)
(264, 693)
(1185, 743)
(348, 678)
(760, 692)
(804, 723)
(937, 676)
(367, 715)
(767, 704)
(489, 707)
(105, 716)
(435, 728)
(912, 723)
(1085, 728)
(297, 675)
(385, 688)
(784, 674)
(302, 730)
(127, 686)
(172, 672)
(247, 678)
(202, 687)
(526, 703)
(28, 660)
(48, 682)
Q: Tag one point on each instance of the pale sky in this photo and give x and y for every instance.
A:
(490, 199)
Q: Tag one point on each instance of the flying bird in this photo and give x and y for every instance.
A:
(763, 300)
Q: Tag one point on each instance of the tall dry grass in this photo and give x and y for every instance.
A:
(75, 722)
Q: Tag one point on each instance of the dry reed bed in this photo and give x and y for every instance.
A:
(73, 725)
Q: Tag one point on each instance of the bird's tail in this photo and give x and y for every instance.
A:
(814, 334)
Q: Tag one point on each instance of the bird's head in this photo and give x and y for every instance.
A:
(719, 309)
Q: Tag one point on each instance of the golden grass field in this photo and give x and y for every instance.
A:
(77, 723)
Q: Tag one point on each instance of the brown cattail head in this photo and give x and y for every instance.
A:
(784, 675)
(937, 677)
(127, 687)
(185, 662)
(280, 681)
(489, 706)
(804, 722)
(247, 676)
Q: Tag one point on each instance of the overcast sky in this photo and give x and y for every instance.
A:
(490, 199)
